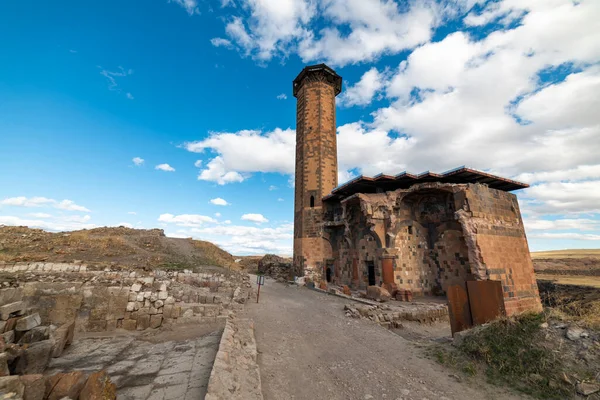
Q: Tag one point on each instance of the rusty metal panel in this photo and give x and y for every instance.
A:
(458, 309)
(486, 300)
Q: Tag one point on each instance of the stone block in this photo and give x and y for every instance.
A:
(61, 338)
(12, 384)
(143, 322)
(8, 337)
(65, 385)
(10, 324)
(176, 313)
(133, 296)
(147, 294)
(35, 386)
(131, 306)
(168, 311)
(163, 295)
(155, 321)
(4, 371)
(140, 297)
(36, 334)
(153, 310)
(29, 322)
(170, 300)
(96, 325)
(98, 387)
(98, 314)
(111, 325)
(129, 324)
(378, 293)
(11, 308)
(159, 303)
(34, 358)
(136, 287)
(162, 287)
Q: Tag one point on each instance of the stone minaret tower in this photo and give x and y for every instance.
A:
(315, 89)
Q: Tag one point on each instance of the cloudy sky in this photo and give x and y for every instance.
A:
(179, 114)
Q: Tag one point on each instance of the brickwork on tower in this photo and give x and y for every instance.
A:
(315, 89)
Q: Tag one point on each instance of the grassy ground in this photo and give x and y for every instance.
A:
(573, 253)
(528, 353)
(580, 280)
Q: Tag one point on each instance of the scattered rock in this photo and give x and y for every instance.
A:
(11, 308)
(35, 386)
(99, 387)
(35, 358)
(574, 333)
(29, 322)
(378, 293)
(65, 385)
(587, 389)
(36, 334)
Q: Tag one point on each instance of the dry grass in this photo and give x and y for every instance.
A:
(579, 280)
(574, 253)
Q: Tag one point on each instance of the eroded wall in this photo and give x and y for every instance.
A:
(436, 235)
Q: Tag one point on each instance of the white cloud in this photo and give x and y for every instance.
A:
(245, 239)
(246, 151)
(190, 6)
(564, 197)
(165, 167)
(280, 199)
(258, 218)
(129, 96)
(220, 42)
(22, 201)
(125, 224)
(70, 205)
(111, 77)
(582, 224)
(217, 215)
(282, 96)
(272, 187)
(186, 219)
(138, 161)
(56, 224)
(219, 202)
(40, 215)
(227, 221)
(27, 202)
(132, 213)
(198, 163)
(361, 94)
(567, 235)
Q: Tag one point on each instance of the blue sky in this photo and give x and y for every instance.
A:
(202, 88)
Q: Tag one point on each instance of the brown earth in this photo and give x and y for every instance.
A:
(124, 247)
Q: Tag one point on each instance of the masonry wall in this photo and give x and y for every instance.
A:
(436, 235)
(107, 300)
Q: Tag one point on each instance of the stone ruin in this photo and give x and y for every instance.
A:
(276, 267)
(43, 306)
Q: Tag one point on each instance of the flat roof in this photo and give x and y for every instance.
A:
(404, 180)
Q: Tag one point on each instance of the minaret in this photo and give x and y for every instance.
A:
(315, 89)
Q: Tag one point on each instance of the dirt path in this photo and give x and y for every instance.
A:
(308, 349)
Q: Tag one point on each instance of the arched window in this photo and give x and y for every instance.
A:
(312, 201)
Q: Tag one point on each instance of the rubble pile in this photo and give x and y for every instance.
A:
(26, 348)
(276, 267)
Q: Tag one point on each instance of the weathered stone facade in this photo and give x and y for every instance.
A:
(423, 233)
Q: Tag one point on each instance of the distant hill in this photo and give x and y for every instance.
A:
(567, 262)
(124, 247)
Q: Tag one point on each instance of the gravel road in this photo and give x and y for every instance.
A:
(308, 349)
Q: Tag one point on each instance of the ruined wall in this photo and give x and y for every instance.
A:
(107, 300)
(437, 235)
(316, 170)
(501, 251)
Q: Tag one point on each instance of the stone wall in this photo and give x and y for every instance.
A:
(432, 236)
(106, 300)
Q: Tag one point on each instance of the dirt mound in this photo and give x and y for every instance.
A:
(138, 248)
